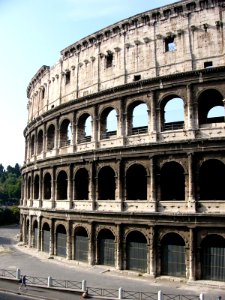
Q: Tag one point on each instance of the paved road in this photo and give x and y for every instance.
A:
(34, 263)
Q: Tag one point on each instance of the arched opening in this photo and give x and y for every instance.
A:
(84, 130)
(62, 186)
(137, 118)
(173, 255)
(172, 181)
(211, 180)
(213, 258)
(81, 184)
(172, 110)
(136, 248)
(136, 182)
(40, 142)
(47, 186)
(65, 133)
(36, 187)
(35, 234)
(81, 245)
(108, 123)
(61, 241)
(210, 107)
(46, 238)
(50, 137)
(106, 184)
(106, 248)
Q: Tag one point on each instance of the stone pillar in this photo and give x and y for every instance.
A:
(41, 188)
(191, 196)
(191, 255)
(152, 253)
(44, 149)
(39, 234)
(189, 114)
(92, 184)
(153, 201)
(52, 239)
(153, 125)
(118, 264)
(121, 121)
(74, 132)
(91, 252)
(70, 186)
(95, 126)
(69, 241)
(119, 185)
(54, 186)
(30, 235)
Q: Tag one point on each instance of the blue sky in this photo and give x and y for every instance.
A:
(33, 32)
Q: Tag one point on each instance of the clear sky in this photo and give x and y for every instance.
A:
(33, 32)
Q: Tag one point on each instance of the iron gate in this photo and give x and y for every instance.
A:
(173, 260)
(213, 263)
(137, 256)
(107, 252)
(46, 240)
(35, 241)
(81, 248)
(61, 244)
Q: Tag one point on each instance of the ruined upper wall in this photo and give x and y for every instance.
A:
(184, 36)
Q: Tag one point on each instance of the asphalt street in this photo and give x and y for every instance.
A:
(35, 263)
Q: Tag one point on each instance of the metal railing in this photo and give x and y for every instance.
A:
(81, 286)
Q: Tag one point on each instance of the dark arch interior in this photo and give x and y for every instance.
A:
(172, 182)
(81, 184)
(212, 174)
(106, 184)
(136, 183)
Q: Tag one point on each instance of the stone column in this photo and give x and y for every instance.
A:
(30, 235)
(95, 126)
(52, 239)
(39, 233)
(191, 255)
(92, 184)
(54, 186)
(70, 187)
(191, 194)
(91, 252)
(152, 253)
(189, 114)
(153, 201)
(119, 185)
(118, 264)
(41, 188)
(69, 242)
(44, 141)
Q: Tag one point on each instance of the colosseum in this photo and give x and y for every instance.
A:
(125, 147)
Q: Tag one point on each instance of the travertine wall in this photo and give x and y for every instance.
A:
(138, 48)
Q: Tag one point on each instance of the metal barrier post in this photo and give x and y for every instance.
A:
(84, 286)
(18, 273)
(201, 296)
(160, 295)
(120, 293)
(49, 281)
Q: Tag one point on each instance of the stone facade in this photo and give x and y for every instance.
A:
(146, 198)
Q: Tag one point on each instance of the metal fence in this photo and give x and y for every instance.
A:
(81, 286)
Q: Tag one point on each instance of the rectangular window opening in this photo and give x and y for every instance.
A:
(67, 77)
(170, 44)
(137, 77)
(208, 64)
(109, 60)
